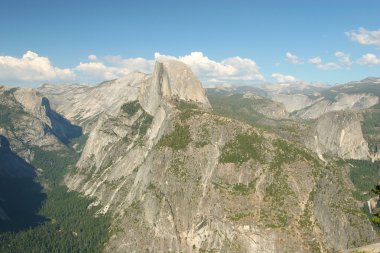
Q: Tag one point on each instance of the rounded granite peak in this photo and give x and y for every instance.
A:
(172, 78)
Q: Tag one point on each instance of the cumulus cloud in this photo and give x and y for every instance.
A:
(369, 59)
(317, 61)
(92, 57)
(130, 64)
(365, 37)
(31, 68)
(93, 71)
(344, 59)
(230, 69)
(293, 58)
(280, 78)
(111, 67)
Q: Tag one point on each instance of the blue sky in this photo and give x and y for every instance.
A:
(223, 41)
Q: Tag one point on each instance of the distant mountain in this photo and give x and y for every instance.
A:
(179, 169)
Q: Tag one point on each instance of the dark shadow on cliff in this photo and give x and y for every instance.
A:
(21, 197)
(61, 127)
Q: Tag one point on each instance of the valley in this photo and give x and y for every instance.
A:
(156, 163)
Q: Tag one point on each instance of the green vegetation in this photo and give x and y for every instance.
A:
(376, 217)
(71, 227)
(177, 168)
(8, 113)
(9, 110)
(243, 147)
(142, 124)
(371, 127)
(239, 216)
(236, 107)
(286, 152)
(144, 121)
(53, 163)
(305, 219)
(279, 190)
(67, 225)
(187, 109)
(131, 107)
(362, 174)
(178, 139)
(204, 138)
(78, 143)
(276, 218)
(243, 189)
(238, 188)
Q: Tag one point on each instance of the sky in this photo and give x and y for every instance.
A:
(247, 42)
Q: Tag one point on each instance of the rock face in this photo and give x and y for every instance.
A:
(176, 177)
(27, 120)
(293, 102)
(172, 79)
(342, 102)
(339, 133)
(12, 166)
(82, 104)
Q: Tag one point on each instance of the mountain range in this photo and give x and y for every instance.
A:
(180, 168)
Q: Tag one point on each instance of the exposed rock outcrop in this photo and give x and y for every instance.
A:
(293, 102)
(27, 120)
(340, 134)
(83, 104)
(171, 79)
(342, 102)
(177, 178)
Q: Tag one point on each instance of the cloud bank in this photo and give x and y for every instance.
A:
(280, 78)
(369, 59)
(365, 37)
(293, 58)
(32, 68)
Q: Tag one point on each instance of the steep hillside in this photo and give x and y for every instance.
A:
(248, 106)
(82, 104)
(339, 134)
(27, 120)
(37, 213)
(177, 177)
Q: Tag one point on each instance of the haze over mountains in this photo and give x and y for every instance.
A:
(181, 169)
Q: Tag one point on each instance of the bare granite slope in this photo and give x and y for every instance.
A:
(178, 178)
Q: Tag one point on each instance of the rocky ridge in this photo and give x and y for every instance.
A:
(27, 120)
(177, 177)
(340, 134)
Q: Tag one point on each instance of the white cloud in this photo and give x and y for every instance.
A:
(92, 57)
(369, 59)
(230, 69)
(31, 68)
(94, 71)
(130, 64)
(317, 61)
(365, 37)
(344, 59)
(280, 78)
(293, 58)
(111, 67)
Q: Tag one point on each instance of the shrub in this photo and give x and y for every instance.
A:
(178, 139)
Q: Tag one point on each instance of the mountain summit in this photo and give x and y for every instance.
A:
(172, 79)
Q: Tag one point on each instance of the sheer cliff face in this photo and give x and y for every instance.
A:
(342, 102)
(27, 120)
(176, 177)
(340, 134)
(171, 79)
(82, 104)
